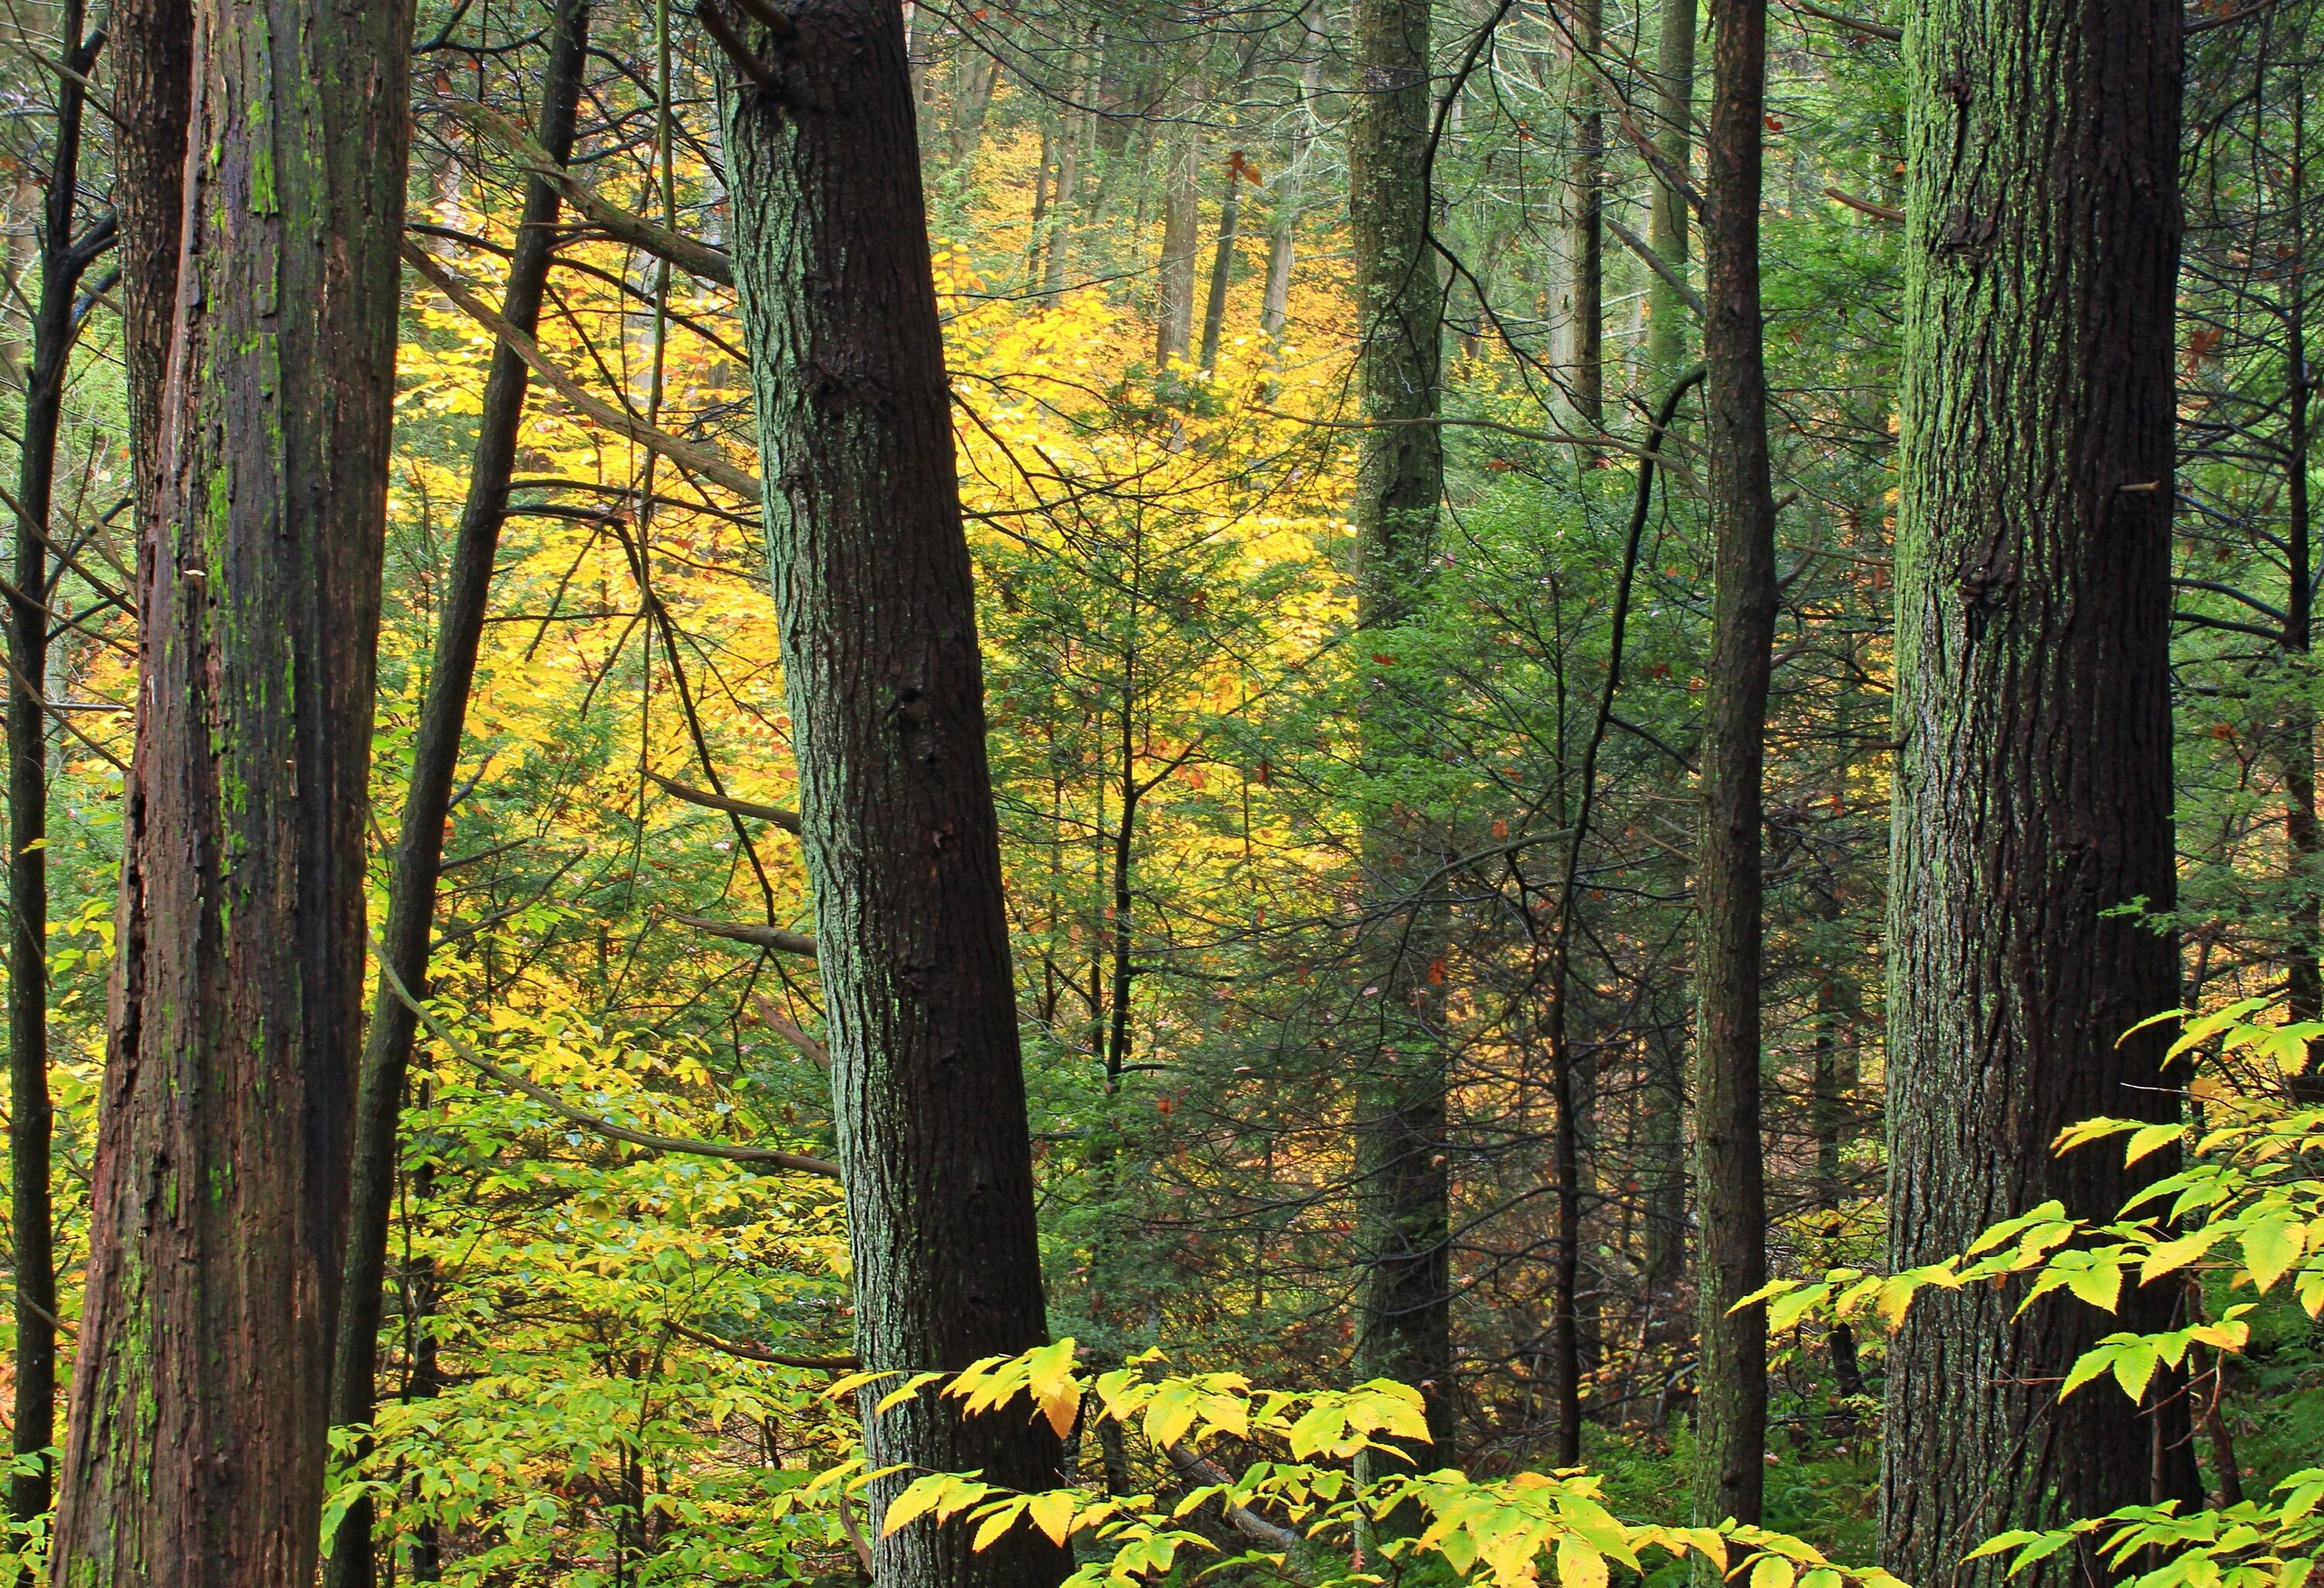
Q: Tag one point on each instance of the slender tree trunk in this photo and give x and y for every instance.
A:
(30, 1117)
(1059, 235)
(1173, 319)
(877, 617)
(1667, 224)
(1588, 219)
(2303, 834)
(2033, 790)
(1283, 234)
(427, 797)
(1215, 309)
(1731, 1384)
(218, 1210)
(1403, 1186)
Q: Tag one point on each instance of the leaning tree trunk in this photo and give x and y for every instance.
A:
(31, 1116)
(218, 1214)
(427, 797)
(1404, 1313)
(878, 625)
(2033, 793)
(1730, 1188)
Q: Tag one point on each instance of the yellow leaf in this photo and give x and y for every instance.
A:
(2270, 1247)
(1579, 1565)
(995, 1525)
(1773, 1571)
(1053, 1513)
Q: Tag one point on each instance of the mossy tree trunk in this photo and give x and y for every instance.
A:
(1404, 1313)
(1730, 1180)
(2034, 789)
(874, 592)
(196, 1449)
(428, 796)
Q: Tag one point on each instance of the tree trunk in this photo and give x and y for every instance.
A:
(1283, 233)
(218, 1209)
(1667, 225)
(30, 1117)
(1173, 318)
(153, 73)
(1731, 1382)
(1404, 1314)
(877, 617)
(428, 797)
(1588, 219)
(2034, 791)
(1215, 309)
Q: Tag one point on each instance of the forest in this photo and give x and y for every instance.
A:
(1158, 793)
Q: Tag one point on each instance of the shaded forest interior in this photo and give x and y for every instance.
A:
(1108, 791)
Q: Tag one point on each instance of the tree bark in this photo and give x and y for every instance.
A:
(219, 1208)
(153, 56)
(1667, 222)
(31, 1116)
(2033, 790)
(1282, 232)
(876, 616)
(1403, 1185)
(427, 797)
(1214, 307)
(1731, 1382)
(1588, 219)
(1173, 318)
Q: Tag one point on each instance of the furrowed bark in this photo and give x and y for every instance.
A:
(1404, 1314)
(428, 796)
(31, 1116)
(877, 619)
(1732, 1253)
(2033, 790)
(219, 1208)
(153, 55)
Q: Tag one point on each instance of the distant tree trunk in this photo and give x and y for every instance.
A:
(1731, 1382)
(2303, 834)
(427, 797)
(30, 1117)
(1067, 189)
(1404, 1313)
(153, 53)
(1173, 319)
(877, 617)
(218, 1209)
(1588, 219)
(1283, 233)
(1215, 310)
(981, 74)
(1667, 225)
(2033, 790)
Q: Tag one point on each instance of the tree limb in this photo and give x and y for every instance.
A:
(787, 821)
(775, 937)
(686, 453)
(1655, 263)
(1878, 211)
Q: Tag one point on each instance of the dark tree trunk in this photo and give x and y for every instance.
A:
(217, 1215)
(1214, 306)
(30, 1117)
(1404, 1314)
(1589, 218)
(2034, 791)
(1730, 1189)
(428, 797)
(153, 74)
(873, 593)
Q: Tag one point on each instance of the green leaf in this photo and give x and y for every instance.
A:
(2272, 1246)
(1773, 1571)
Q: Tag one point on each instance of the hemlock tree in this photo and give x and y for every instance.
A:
(1730, 1183)
(1403, 1326)
(196, 1449)
(872, 591)
(2034, 788)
